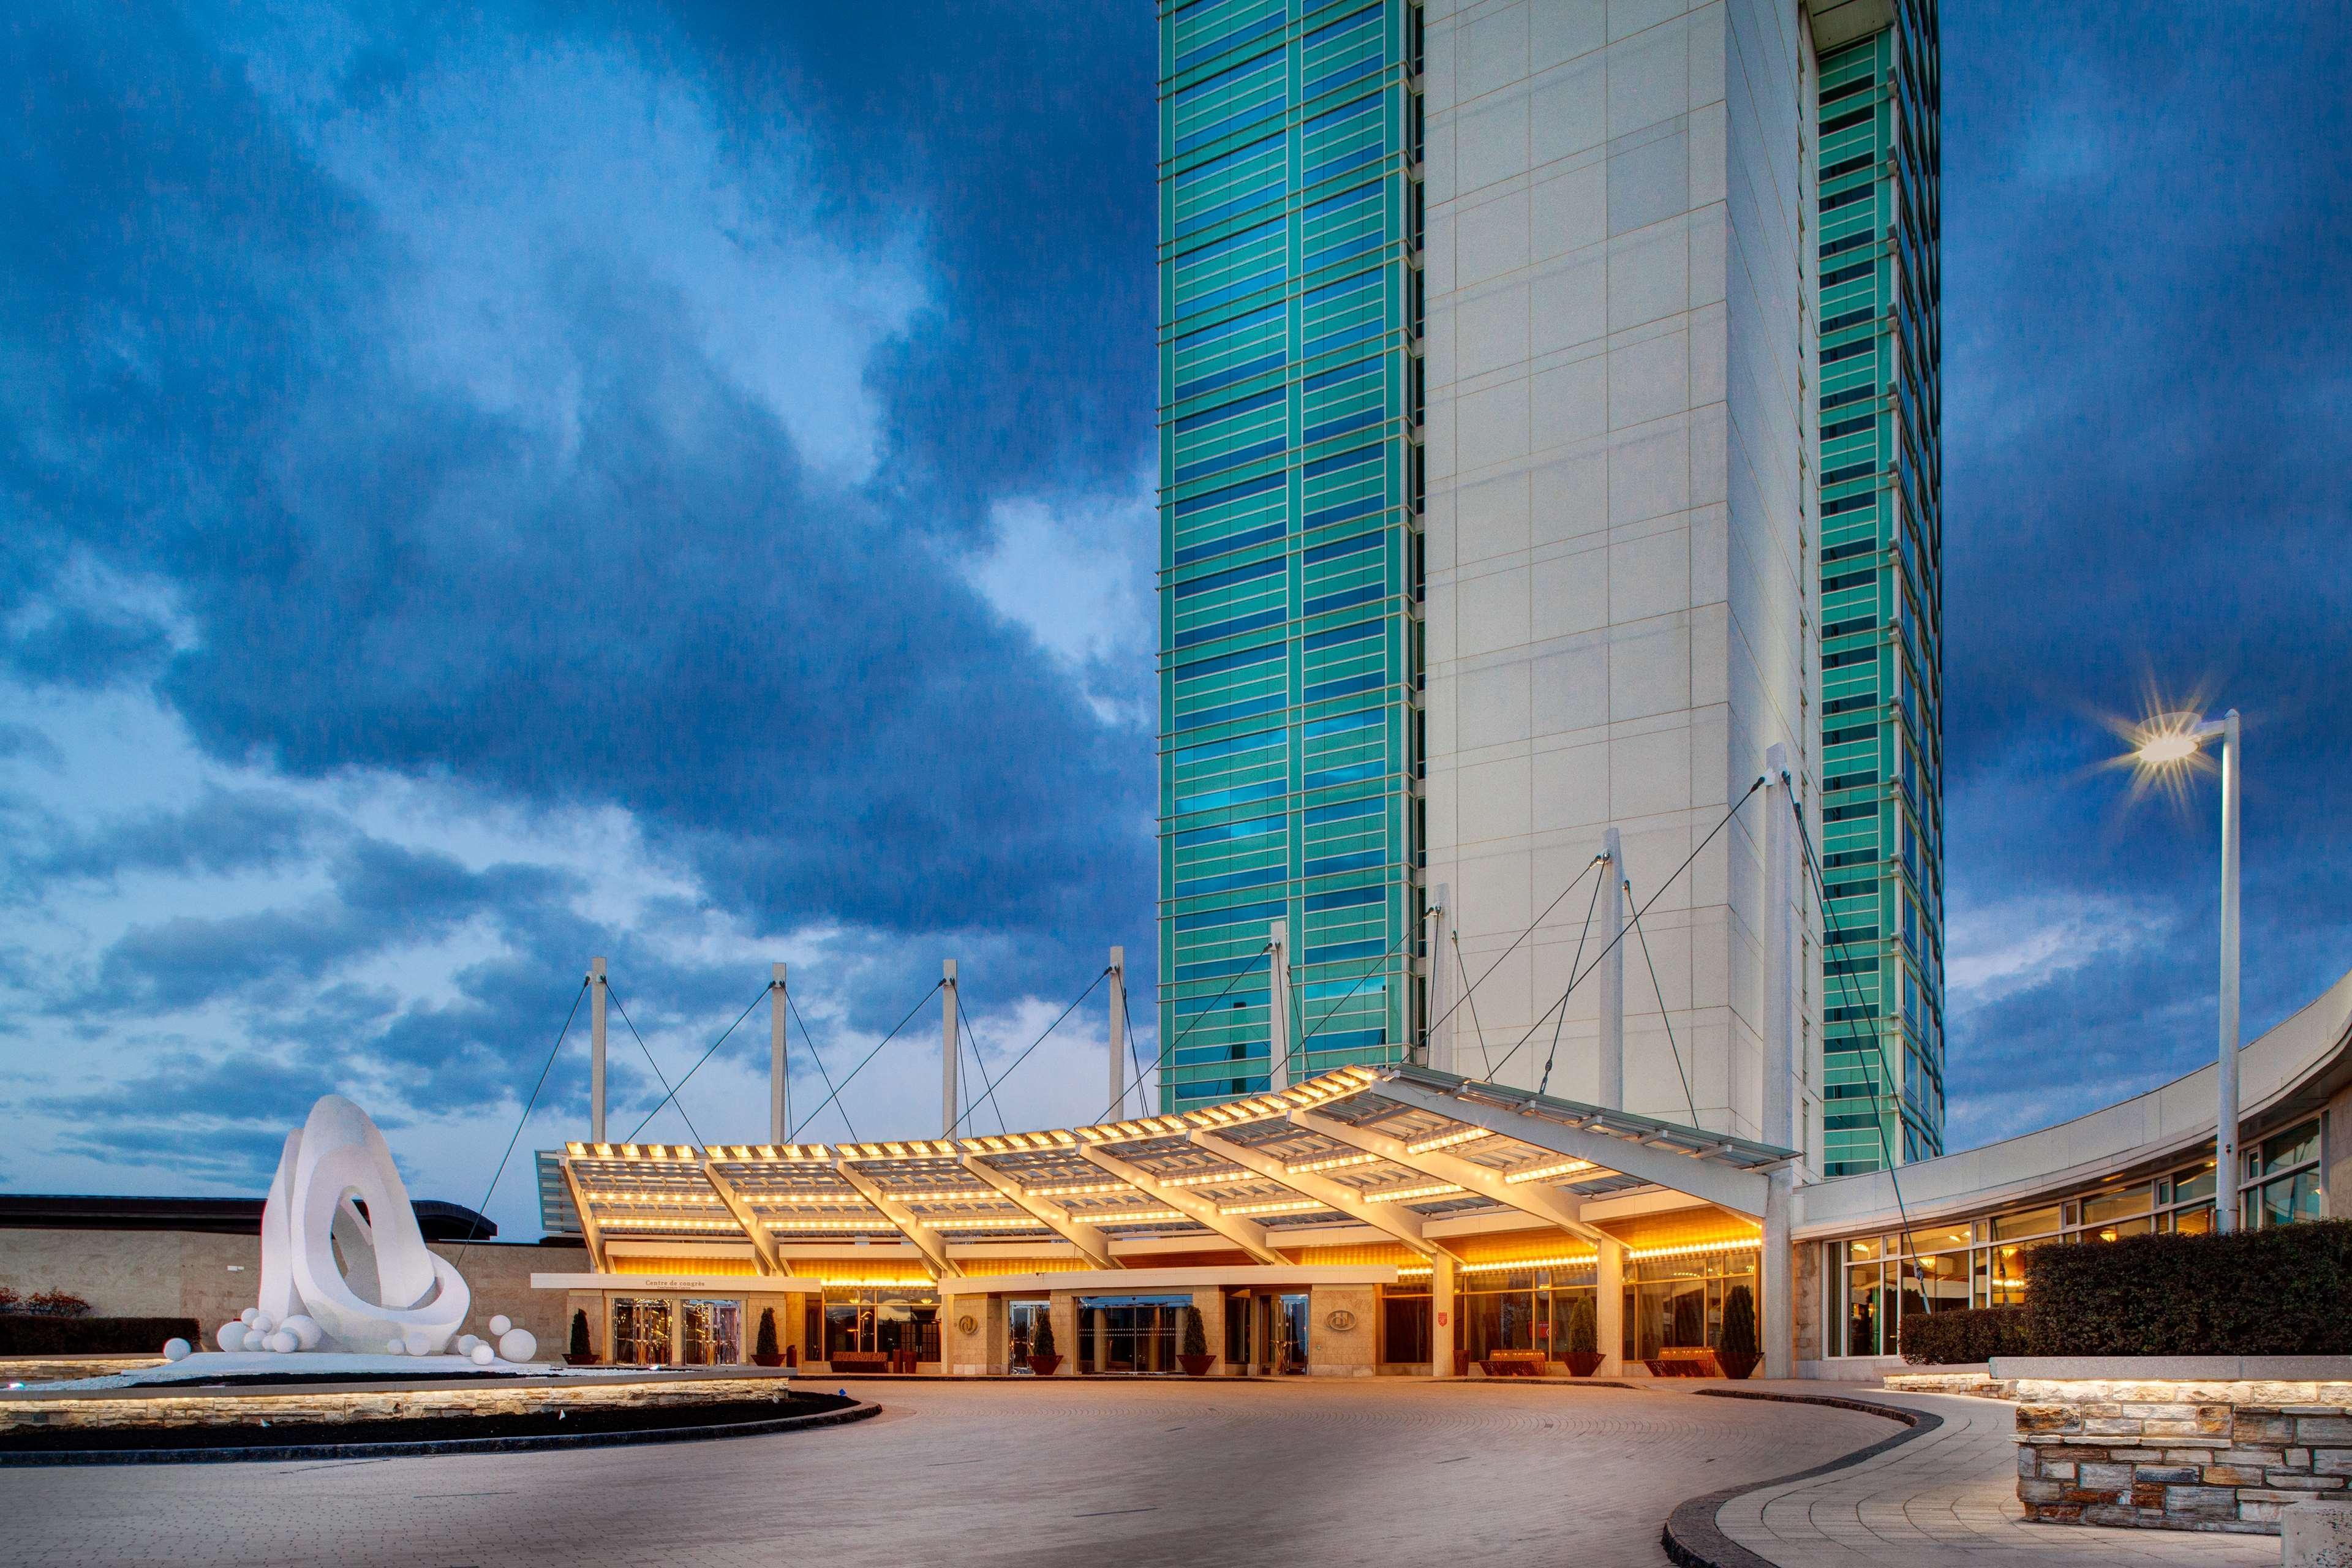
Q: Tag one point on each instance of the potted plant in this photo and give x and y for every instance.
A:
(579, 1354)
(1042, 1359)
(764, 1351)
(1738, 1352)
(1196, 1358)
(1583, 1352)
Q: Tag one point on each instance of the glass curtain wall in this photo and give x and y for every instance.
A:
(1882, 622)
(1290, 397)
(1877, 1279)
(1131, 1333)
(1676, 1302)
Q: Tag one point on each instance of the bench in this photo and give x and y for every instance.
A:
(860, 1361)
(1514, 1364)
(1685, 1360)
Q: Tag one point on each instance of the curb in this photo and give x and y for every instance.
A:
(1691, 1537)
(446, 1446)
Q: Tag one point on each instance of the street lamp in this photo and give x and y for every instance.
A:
(2172, 741)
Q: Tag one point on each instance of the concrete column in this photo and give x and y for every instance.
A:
(1277, 1012)
(1612, 974)
(1441, 1317)
(1609, 1309)
(948, 1049)
(596, 1050)
(1437, 1038)
(1062, 1309)
(779, 1092)
(1117, 1035)
(1776, 1311)
(1101, 1335)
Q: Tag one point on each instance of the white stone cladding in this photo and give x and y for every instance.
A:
(1618, 342)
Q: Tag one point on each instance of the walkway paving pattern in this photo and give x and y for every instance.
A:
(1295, 1474)
(1947, 1499)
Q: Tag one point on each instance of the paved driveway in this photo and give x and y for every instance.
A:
(1123, 1474)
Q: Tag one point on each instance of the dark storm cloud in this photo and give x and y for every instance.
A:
(2146, 435)
(224, 831)
(205, 387)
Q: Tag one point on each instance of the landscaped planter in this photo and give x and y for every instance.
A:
(1044, 1365)
(1735, 1365)
(1583, 1363)
(1196, 1365)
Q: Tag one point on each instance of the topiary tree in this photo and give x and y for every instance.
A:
(1583, 1326)
(1688, 1314)
(1196, 1333)
(1739, 1321)
(1042, 1341)
(766, 1344)
(580, 1334)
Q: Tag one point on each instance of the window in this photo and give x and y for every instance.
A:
(2281, 1178)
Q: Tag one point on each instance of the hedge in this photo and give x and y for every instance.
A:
(93, 1336)
(1952, 1338)
(2279, 1291)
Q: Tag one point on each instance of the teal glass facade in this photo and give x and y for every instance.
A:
(1881, 511)
(1290, 390)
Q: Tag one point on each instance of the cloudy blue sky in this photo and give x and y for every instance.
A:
(482, 487)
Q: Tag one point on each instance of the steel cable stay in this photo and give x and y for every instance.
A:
(809, 1035)
(671, 1095)
(1167, 1051)
(990, 1085)
(1850, 988)
(860, 1067)
(515, 1136)
(1578, 978)
(1689, 1100)
(1472, 988)
(1299, 1051)
(698, 1065)
(1544, 1086)
(1462, 969)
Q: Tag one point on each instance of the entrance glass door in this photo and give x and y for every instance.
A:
(640, 1330)
(714, 1332)
(1130, 1333)
(1022, 1319)
(1290, 1333)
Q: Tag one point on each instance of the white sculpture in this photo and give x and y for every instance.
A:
(386, 1286)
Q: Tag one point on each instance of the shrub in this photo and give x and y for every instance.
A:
(10, 1300)
(54, 1304)
(1949, 1339)
(766, 1344)
(2279, 1291)
(1041, 1343)
(1739, 1321)
(1196, 1333)
(1583, 1326)
(580, 1334)
(27, 1334)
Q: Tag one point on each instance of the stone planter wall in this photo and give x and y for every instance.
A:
(2180, 1454)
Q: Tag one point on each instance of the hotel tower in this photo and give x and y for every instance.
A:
(1550, 406)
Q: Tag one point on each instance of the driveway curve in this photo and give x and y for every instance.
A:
(1295, 1472)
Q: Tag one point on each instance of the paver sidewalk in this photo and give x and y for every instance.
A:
(1946, 1500)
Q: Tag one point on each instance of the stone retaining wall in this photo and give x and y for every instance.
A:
(2174, 1455)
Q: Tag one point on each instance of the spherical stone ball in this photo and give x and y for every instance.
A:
(230, 1336)
(305, 1329)
(419, 1342)
(285, 1341)
(395, 1347)
(465, 1343)
(173, 1349)
(248, 1315)
(482, 1355)
(518, 1344)
(499, 1325)
(263, 1324)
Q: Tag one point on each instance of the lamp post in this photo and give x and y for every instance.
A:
(2167, 742)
